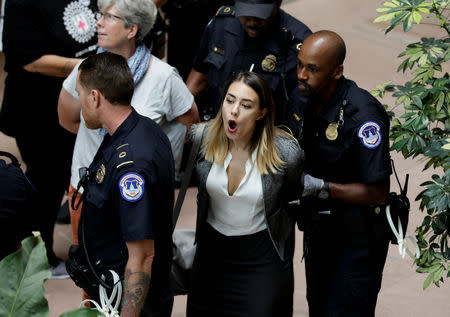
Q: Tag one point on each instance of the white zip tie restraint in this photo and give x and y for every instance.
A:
(106, 302)
(401, 239)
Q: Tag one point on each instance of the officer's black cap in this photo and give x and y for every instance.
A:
(254, 8)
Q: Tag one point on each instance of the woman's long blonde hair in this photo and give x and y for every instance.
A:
(216, 143)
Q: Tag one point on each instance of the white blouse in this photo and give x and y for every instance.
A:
(243, 212)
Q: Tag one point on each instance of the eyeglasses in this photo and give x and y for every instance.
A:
(109, 18)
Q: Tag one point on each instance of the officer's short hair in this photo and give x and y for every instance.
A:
(108, 73)
(140, 12)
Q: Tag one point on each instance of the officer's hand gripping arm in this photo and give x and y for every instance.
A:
(354, 193)
(312, 185)
(361, 194)
(190, 117)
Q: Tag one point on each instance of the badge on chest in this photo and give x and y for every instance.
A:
(332, 131)
(100, 175)
(269, 63)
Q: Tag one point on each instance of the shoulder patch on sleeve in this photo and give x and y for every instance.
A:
(370, 135)
(131, 186)
(225, 11)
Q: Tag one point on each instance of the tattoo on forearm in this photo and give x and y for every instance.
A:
(66, 68)
(135, 287)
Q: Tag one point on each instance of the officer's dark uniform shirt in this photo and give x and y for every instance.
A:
(344, 253)
(130, 198)
(16, 205)
(226, 48)
(360, 152)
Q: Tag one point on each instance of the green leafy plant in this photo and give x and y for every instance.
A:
(22, 277)
(423, 128)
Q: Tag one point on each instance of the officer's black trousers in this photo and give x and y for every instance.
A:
(343, 274)
(48, 157)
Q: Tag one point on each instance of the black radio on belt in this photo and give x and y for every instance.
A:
(399, 205)
(81, 274)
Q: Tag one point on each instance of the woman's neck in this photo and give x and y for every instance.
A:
(239, 146)
(125, 51)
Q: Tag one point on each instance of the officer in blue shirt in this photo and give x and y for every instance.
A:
(346, 142)
(127, 210)
(254, 35)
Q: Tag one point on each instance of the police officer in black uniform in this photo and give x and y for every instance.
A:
(187, 20)
(17, 196)
(253, 35)
(346, 142)
(126, 217)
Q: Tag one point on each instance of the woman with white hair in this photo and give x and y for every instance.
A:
(160, 93)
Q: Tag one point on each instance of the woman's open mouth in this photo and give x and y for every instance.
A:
(232, 126)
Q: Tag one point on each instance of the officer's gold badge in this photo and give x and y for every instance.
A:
(332, 131)
(269, 63)
(100, 174)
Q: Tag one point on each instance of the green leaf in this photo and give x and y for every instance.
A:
(438, 274)
(82, 312)
(417, 17)
(423, 270)
(22, 276)
(407, 23)
(422, 60)
(382, 10)
(424, 10)
(428, 280)
(440, 102)
(396, 21)
(416, 56)
(407, 115)
(392, 4)
(384, 17)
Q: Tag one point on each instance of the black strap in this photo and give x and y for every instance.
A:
(404, 189)
(13, 159)
(187, 174)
